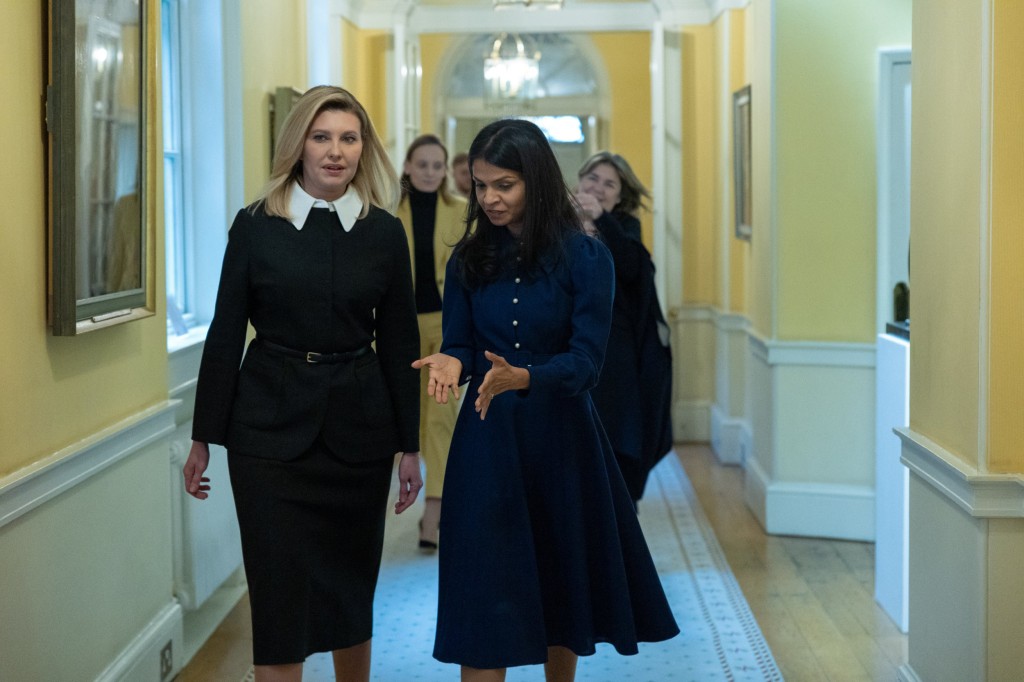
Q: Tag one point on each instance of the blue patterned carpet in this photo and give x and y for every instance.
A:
(719, 641)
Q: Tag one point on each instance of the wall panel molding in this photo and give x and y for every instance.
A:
(36, 484)
(808, 353)
(979, 494)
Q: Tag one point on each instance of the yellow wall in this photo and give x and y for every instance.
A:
(825, 96)
(700, 167)
(739, 250)
(58, 390)
(273, 55)
(760, 284)
(365, 73)
(627, 57)
(434, 55)
(945, 213)
(1006, 361)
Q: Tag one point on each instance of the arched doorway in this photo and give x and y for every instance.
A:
(559, 82)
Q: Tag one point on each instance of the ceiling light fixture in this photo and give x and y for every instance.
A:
(510, 70)
(529, 4)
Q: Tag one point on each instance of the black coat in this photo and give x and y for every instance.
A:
(318, 289)
(634, 394)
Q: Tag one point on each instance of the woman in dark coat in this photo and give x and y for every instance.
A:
(543, 555)
(315, 415)
(633, 395)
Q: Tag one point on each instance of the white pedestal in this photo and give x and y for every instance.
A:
(892, 409)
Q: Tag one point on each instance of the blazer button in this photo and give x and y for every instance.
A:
(517, 345)
(515, 323)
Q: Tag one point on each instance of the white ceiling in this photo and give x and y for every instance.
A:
(473, 16)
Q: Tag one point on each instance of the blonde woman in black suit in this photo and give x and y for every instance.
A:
(434, 221)
(315, 416)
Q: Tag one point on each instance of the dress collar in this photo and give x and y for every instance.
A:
(347, 207)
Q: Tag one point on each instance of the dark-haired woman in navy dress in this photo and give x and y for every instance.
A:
(543, 555)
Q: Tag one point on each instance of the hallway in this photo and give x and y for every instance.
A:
(812, 599)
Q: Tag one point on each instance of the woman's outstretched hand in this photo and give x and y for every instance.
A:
(500, 377)
(445, 372)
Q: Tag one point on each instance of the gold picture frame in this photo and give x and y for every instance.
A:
(95, 117)
(741, 163)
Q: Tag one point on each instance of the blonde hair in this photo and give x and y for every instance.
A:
(375, 179)
(633, 193)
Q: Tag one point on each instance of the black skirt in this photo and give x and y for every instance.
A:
(312, 533)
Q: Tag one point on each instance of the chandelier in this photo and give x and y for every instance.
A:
(511, 71)
(546, 4)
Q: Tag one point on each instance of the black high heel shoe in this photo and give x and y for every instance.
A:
(426, 545)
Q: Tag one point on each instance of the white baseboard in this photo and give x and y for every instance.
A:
(141, 659)
(841, 512)
(727, 437)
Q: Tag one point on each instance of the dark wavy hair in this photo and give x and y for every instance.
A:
(550, 217)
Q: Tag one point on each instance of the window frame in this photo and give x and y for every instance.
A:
(209, 106)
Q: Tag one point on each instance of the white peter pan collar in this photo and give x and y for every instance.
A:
(347, 207)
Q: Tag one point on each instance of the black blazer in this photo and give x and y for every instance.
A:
(634, 394)
(317, 289)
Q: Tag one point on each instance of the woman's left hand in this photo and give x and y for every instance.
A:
(590, 207)
(500, 377)
(444, 372)
(409, 481)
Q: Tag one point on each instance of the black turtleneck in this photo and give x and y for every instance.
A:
(424, 214)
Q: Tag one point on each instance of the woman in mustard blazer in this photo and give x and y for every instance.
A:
(434, 220)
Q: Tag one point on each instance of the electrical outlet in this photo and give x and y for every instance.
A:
(166, 661)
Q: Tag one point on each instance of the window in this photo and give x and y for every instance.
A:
(201, 75)
(559, 129)
(179, 311)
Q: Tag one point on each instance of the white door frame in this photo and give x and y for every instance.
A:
(892, 150)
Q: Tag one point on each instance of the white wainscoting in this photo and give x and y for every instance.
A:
(728, 415)
(85, 543)
(810, 470)
(141, 659)
(693, 372)
(36, 484)
(207, 551)
(966, 590)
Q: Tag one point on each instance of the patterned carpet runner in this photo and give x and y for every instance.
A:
(720, 640)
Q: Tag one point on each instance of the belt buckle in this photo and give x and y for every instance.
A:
(312, 358)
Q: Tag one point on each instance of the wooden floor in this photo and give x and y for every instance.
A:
(813, 599)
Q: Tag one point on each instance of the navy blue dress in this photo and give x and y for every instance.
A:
(540, 544)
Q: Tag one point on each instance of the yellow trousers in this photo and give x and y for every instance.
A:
(437, 422)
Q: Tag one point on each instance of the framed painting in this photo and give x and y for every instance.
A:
(95, 114)
(741, 162)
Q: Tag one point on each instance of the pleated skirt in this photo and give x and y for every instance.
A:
(312, 533)
(541, 545)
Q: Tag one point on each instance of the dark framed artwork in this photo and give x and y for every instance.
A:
(281, 102)
(741, 162)
(95, 114)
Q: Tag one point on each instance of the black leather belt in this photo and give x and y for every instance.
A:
(312, 357)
